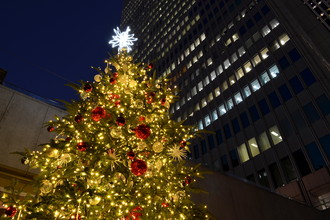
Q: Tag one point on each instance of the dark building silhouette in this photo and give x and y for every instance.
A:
(256, 72)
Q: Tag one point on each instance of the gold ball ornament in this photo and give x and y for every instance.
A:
(116, 132)
(142, 146)
(46, 187)
(95, 201)
(54, 153)
(107, 69)
(132, 83)
(98, 78)
(158, 147)
(158, 164)
(139, 103)
(124, 79)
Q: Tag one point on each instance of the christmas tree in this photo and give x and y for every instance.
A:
(116, 155)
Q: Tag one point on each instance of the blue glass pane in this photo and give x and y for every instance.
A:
(219, 136)
(284, 63)
(227, 131)
(236, 126)
(311, 112)
(211, 141)
(294, 55)
(196, 151)
(244, 119)
(315, 156)
(264, 107)
(234, 157)
(275, 102)
(324, 104)
(325, 143)
(308, 77)
(285, 92)
(254, 113)
(224, 163)
(296, 85)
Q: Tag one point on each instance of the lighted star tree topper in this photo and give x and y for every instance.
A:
(122, 39)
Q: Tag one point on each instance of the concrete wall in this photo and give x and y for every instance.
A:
(231, 199)
(22, 126)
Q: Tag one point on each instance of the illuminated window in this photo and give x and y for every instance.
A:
(209, 61)
(219, 69)
(274, 23)
(243, 153)
(203, 102)
(264, 53)
(210, 97)
(222, 109)
(200, 54)
(183, 101)
(239, 73)
(255, 85)
(241, 51)
(235, 37)
(274, 71)
(256, 60)
(217, 92)
(232, 80)
(214, 115)
(213, 75)
(197, 108)
(233, 57)
(197, 42)
(186, 53)
(188, 96)
(256, 36)
(192, 47)
(200, 125)
(238, 98)
(224, 86)
(275, 135)
(246, 91)
(207, 120)
(263, 141)
(226, 63)
(264, 78)
(274, 46)
(203, 37)
(228, 42)
(248, 43)
(230, 103)
(247, 66)
(265, 30)
(194, 91)
(200, 86)
(253, 146)
(195, 59)
(283, 39)
(206, 80)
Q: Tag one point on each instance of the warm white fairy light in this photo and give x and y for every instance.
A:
(122, 39)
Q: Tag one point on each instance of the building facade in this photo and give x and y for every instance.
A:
(256, 73)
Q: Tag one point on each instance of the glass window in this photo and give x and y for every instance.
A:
(242, 30)
(230, 103)
(222, 109)
(235, 37)
(265, 30)
(263, 141)
(248, 43)
(213, 75)
(255, 85)
(257, 16)
(274, 23)
(197, 107)
(243, 154)
(288, 170)
(274, 71)
(238, 98)
(247, 66)
(236, 126)
(204, 147)
(217, 92)
(200, 125)
(244, 119)
(232, 80)
(219, 136)
(265, 9)
(274, 46)
(296, 84)
(324, 104)
(301, 162)
(264, 53)
(206, 80)
(224, 163)
(233, 57)
(311, 112)
(183, 101)
(211, 141)
(200, 86)
(256, 60)
(264, 78)
(195, 59)
(308, 77)
(285, 92)
(207, 120)
(246, 91)
(283, 39)
(249, 23)
(214, 115)
(274, 101)
(203, 102)
(263, 178)
(188, 96)
(228, 42)
(284, 63)
(196, 151)
(256, 36)
(227, 131)
(219, 69)
(275, 174)
(226, 63)
(224, 86)
(234, 157)
(315, 156)
(253, 146)
(325, 143)
(275, 135)
(241, 51)
(254, 113)
(209, 97)
(294, 55)
(209, 61)
(194, 91)
(239, 73)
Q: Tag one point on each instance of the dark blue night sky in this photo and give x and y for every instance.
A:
(43, 38)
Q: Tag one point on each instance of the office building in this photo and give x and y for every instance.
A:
(256, 72)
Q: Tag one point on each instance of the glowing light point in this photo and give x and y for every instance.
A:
(122, 39)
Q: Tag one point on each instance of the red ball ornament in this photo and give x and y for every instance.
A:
(150, 97)
(50, 128)
(113, 81)
(138, 167)
(78, 118)
(165, 204)
(117, 103)
(115, 74)
(11, 211)
(88, 87)
(120, 121)
(67, 139)
(142, 118)
(187, 181)
(183, 143)
(150, 66)
(142, 131)
(82, 146)
(131, 155)
(98, 113)
(163, 101)
(135, 213)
